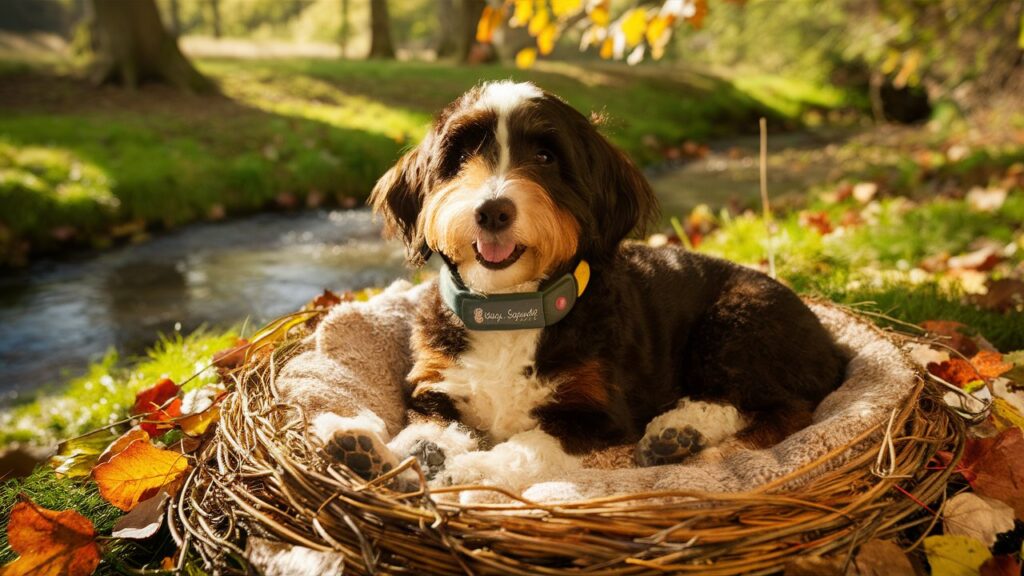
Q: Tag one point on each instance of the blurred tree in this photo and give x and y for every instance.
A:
(343, 29)
(471, 48)
(380, 31)
(175, 12)
(215, 17)
(447, 29)
(132, 47)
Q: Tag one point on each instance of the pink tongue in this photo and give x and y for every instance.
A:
(495, 252)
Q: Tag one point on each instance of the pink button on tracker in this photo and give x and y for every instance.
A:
(560, 303)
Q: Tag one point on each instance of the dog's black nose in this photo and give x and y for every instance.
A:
(496, 214)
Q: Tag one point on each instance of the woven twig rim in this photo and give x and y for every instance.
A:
(260, 475)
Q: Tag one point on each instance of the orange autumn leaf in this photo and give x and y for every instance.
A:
(122, 442)
(606, 49)
(489, 22)
(700, 11)
(155, 396)
(956, 371)
(953, 334)
(990, 364)
(50, 543)
(139, 472)
(526, 57)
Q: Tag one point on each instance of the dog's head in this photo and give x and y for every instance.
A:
(510, 185)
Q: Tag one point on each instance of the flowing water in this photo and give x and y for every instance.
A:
(55, 317)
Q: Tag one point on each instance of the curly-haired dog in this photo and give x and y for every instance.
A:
(547, 336)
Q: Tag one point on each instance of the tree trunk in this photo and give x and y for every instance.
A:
(380, 30)
(469, 49)
(133, 48)
(343, 31)
(215, 12)
(175, 10)
(447, 29)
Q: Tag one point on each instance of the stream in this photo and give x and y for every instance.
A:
(57, 316)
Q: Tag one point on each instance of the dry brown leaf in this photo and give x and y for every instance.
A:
(981, 518)
(138, 473)
(882, 558)
(50, 543)
(144, 520)
(994, 467)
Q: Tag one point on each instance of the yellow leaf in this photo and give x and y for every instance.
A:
(546, 39)
(1005, 415)
(606, 48)
(657, 28)
(565, 7)
(139, 472)
(955, 555)
(526, 57)
(539, 21)
(76, 457)
(50, 543)
(599, 15)
(522, 13)
(196, 424)
(634, 24)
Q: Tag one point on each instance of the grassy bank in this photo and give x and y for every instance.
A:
(81, 165)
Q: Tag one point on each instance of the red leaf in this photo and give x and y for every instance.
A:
(159, 421)
(1001, 566)
(51, 543)
(995, 467)
(818, 221)
(956, 371)
(155, 396)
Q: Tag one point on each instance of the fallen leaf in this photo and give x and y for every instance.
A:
(122, 442)
(814, 566)
(968, 514)
(50, 543)
(200, 409)
(982, 260)
(956, 371)
(139, 472)
(882, 558)
(994, 467)
(1006, 415)
(817, 221)
(864, 192)
(1002, 295)
(990, 364)
(144, 520)
(76, 457)
(159, 421)
(986, 199)
(924, 355)
(955, 555)
(1001, 566)
(953, 334)
(155, 396)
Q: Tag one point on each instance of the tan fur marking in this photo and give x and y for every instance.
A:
(584, 385)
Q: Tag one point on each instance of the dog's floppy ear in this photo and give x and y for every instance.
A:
(623, 200)
(398, 198)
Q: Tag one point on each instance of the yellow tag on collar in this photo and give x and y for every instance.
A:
(582, 275)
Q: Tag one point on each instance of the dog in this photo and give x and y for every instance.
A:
(549, 335)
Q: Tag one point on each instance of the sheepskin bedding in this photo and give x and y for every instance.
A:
(359, 356)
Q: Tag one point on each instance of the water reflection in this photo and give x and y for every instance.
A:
(55, 317)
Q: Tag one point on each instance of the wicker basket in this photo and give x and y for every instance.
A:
(259, 475)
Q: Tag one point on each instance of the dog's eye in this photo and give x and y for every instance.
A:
(544, 156)
(463, 156)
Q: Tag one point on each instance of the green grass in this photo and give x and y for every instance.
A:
(106, 392)
(78, 163)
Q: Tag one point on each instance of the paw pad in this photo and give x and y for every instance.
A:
(430, 456)
(357, 451)
(670, 446)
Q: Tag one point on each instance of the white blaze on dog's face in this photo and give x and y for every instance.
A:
(510, 186)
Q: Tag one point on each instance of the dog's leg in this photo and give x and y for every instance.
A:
(686, 430)
(523, 459)
(358, 442)
(433, 441)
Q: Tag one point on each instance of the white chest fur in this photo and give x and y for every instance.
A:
(494, 385)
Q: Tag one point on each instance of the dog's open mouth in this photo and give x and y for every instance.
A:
(497, 255)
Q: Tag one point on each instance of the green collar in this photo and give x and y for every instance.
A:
(514, 311)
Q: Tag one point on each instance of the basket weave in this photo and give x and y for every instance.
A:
(259, 475)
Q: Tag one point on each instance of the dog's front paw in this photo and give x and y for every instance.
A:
(361, 452)
(430, 456)
(669, 446)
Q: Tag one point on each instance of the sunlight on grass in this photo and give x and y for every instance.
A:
(106, 392)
